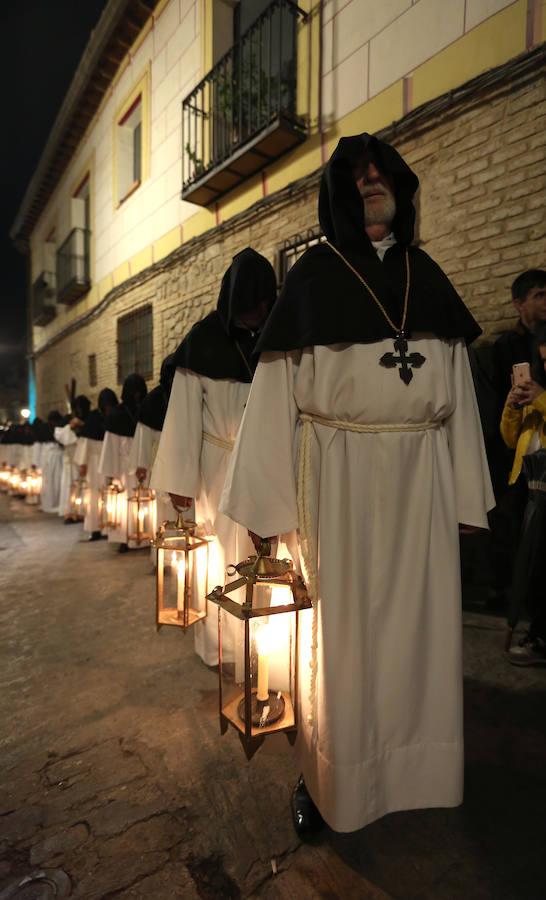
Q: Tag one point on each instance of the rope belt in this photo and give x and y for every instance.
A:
(537, 486)
(361, 428)
(218, 442)
(307, 543)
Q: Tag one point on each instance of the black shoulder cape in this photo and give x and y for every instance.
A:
(122, 421)
(323, 302)
(153, 408)
(216, 347)
(93, 427)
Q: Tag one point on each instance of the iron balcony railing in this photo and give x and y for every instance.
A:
(43, 299)
(252, 87)
(73, 279)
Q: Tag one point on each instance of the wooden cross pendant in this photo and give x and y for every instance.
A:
(405, 361)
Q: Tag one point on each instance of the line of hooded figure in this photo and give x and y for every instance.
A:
(296, 420)
(115, 442)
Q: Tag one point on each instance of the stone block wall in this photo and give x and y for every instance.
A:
(482, 217)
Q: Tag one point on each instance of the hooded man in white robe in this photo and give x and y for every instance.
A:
(362, 433)
(215, 366)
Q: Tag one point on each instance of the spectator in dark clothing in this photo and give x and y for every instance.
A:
(513, 346)
(516, 345)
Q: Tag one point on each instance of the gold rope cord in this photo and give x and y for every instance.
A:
(307, 542)
(218, 442)
(373, 295)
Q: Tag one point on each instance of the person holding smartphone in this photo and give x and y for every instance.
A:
(523, 428)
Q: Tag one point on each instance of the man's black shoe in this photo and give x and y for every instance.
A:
(97, 536)
(123, 548)
(305, 815)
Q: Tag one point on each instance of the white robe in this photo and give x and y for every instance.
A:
(88, 453)
(66, 437)
(143, 454)
(384, 730)
(52, 464)
(114, 463)
(188, 465)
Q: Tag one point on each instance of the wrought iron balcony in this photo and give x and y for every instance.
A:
(44, 308)
(73, 279)
(242, 116)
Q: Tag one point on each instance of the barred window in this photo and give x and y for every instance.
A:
(135, 344)
(92, 369)
(295, 247)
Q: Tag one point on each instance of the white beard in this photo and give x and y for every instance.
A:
(380, 215)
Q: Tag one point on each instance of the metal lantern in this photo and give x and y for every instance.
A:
(79, 499)
(34, 485)
(111, 498)
(259, 630)
(14, 481)
(141, 515)
(23, 484)
(5, 472)
(181, 574)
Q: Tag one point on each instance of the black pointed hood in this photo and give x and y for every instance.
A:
(217, 347)
(323, 302)
(153, 408)
(123, 419)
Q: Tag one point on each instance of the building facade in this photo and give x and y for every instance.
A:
(194, 128)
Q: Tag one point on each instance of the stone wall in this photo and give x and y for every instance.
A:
(482, 216)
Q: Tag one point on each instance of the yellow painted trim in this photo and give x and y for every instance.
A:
(166, 244)
(104, 286)
(161, 6)
(486, 46)
(206, 14)
(142, 88)
(140, 38)
(121, 274)
(141, 260)
(239, 199)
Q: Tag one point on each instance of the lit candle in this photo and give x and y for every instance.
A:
(262, 646)
(179, 583)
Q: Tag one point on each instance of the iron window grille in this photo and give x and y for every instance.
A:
(295, 247)
(73, 278)
(135, 344)
(247, 93)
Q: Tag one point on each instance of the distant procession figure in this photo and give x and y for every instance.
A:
(362, 433)
(114, 461)
(215, 366)
(87, 458)
(68, 438)
(151, 418)
(52, 464)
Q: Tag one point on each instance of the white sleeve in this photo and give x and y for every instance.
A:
(260, 487)
(473, 490)
(82, 451)
(177, 466)
(110, 462)
(142, 449)
(65, 436)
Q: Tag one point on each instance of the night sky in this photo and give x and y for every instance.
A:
(43, 41)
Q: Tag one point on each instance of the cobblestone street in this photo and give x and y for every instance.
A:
(114, 772)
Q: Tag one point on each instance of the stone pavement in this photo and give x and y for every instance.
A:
(114, 772)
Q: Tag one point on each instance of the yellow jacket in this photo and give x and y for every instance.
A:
(518, 426)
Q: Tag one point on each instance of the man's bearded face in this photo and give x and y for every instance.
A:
(377, 192)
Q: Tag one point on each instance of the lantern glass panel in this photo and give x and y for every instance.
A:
(111, 498)
(182, 580)
(141, 516)
(258, 661)
(78, 497)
